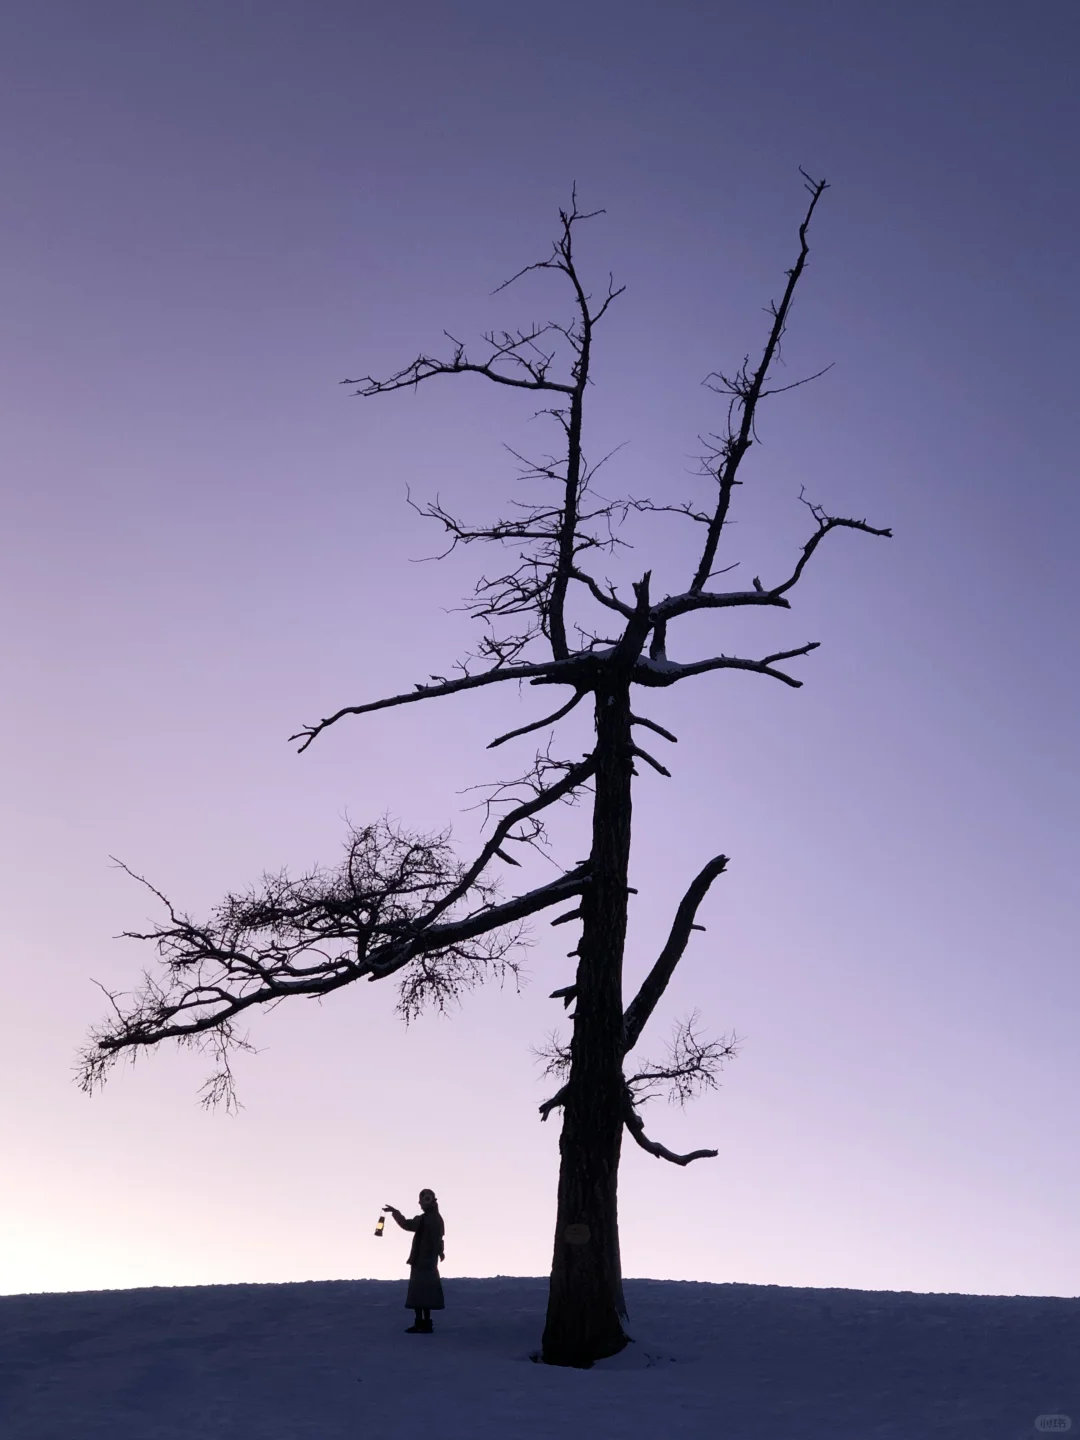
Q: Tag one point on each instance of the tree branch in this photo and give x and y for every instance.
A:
(564, 564)
(514, 348)
(691, 1066)
(825, 524)
(683, 604)
(657, 673)
(628, 649)
(650, 760)
(556, 1100)
(565, 919)
(369, 922)
(746, 392)
(636, 1126)
(610, 600)
(656, 982)
(521, 361)
(539, 724)
(652, 725)
(482, 922)
(575, 775)
(547, 669)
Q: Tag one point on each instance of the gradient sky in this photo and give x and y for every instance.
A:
(213, 213)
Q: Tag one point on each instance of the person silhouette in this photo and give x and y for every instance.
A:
(425, 1284)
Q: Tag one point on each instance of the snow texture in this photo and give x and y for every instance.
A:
(331, 1360)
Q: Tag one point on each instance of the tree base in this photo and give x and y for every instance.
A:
(577, 1357)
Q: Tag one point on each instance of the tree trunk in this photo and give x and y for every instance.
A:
(585, 1300)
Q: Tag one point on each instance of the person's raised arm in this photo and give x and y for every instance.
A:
(401, 1219)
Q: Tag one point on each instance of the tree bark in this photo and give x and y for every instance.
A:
(585, 1300)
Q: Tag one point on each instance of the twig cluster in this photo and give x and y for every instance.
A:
(398, 902)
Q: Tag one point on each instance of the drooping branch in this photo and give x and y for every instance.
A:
(656, 982)
(556, 1058)
(539, 724)
(559, 1098)
(652, 725)
(313, 935)
(636, 1126)
(650, 760)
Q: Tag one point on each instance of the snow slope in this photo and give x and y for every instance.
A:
(330, 1360)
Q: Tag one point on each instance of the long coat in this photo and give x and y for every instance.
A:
(425, 1285)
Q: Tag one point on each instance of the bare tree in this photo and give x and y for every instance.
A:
(404, 905)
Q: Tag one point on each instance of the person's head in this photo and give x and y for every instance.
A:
(427, 1200)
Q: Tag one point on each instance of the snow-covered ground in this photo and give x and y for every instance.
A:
(330, 1359)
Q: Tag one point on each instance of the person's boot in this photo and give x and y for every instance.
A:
(417, 1327)
(426, 1327)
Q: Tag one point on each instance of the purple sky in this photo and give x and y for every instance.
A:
(212, 213)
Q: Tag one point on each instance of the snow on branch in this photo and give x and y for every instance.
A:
(661, 673)
(673, 605)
